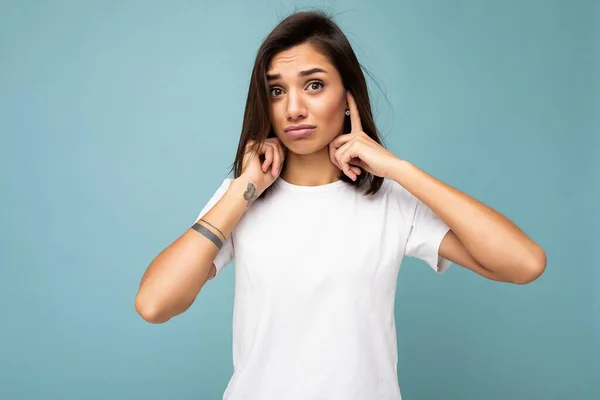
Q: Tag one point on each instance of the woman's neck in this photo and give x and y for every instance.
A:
(310, 169)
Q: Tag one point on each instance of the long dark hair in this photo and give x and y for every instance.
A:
(318, 29)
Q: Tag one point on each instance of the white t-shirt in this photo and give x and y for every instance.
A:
(316, 269)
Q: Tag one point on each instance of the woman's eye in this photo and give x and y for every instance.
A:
(316, 85)
(275, 91)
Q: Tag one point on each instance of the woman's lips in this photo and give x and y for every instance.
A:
(299, 133)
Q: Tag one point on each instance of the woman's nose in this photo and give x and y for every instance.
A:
(295, 107)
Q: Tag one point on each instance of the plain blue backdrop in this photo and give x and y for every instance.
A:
(119, 119)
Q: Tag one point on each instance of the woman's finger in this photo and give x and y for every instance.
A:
(276, 158)
(346, 168)
(344, 156)
(280, 149)
(354, 115)
(268, 152)
(332, 156)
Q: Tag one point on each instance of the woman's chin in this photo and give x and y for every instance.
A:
(305, 147)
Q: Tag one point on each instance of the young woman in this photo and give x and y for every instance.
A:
(318, 218)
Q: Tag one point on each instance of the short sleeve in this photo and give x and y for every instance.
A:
(226, 253)
(426, 234)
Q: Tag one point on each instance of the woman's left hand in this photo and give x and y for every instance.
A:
(356, 149)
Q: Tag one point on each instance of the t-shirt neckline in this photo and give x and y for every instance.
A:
(309, 189)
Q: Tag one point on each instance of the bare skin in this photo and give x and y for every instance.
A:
(317, 99)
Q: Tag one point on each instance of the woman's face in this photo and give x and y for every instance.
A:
(306, 90)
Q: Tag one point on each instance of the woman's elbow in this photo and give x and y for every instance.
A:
(533, 270)
(149, 311)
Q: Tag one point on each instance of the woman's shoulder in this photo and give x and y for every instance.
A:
(399, 194)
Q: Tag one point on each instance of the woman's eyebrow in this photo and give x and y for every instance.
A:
(272, 77)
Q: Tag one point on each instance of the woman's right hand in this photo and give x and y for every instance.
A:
(264, 173)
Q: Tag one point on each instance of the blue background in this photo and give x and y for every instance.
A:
(120, 119)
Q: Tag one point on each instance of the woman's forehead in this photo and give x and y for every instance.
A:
(296, 59)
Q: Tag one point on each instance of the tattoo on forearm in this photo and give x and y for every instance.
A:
(250, 193)
(208, 234)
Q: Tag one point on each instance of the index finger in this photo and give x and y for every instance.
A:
(354, 115)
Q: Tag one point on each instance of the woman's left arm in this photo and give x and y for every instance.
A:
(480, 238)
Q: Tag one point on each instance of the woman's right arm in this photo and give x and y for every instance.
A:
(174, 278)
